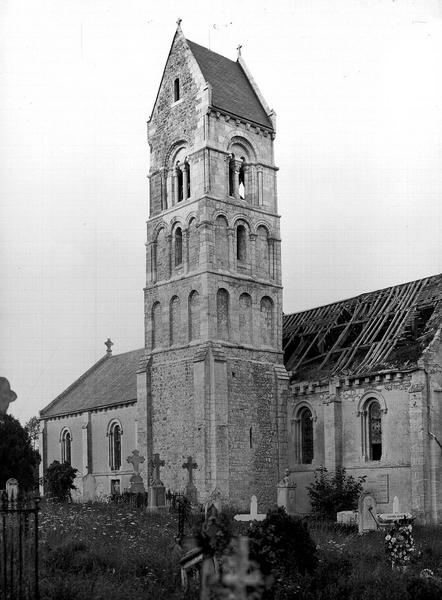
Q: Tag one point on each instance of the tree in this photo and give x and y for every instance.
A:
(332, 492)
(32, 426)
(18, 459)
(59, 479)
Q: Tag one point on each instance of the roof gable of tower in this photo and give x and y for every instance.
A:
(231, 89)
(111, 381)
(376, 331)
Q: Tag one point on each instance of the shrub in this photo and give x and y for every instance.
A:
(332, 492)
(284, 550)
(59, 479)
(215, 535)
(17, 457)
(399, 543)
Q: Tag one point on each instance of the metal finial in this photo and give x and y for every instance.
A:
(239, 49)
(178, 21)
(109, 345)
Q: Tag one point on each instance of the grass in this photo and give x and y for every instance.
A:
(101, 551)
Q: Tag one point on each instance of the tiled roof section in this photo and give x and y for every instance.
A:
(231, 90)
(112, 380)
(386, 329)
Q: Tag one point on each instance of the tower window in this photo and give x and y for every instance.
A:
(250, 438)
(241, 185)
(178, 246)
(115, 447)
(241, 247)
(232, 176)
(66, 447)
(176, 89)
(179, 183)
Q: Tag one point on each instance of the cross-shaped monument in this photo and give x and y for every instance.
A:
(191, 491)
(135, 459)
(136, 481)
(155, 463)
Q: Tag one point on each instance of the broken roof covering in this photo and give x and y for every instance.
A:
(112, 380)
(231, 89)
(386, 329)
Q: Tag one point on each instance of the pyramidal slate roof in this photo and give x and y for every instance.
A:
(231, 89)
(111, 381)
(381, 330)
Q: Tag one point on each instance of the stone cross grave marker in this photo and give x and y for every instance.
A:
(12, 489)
(155, 463)
(136, 481)
(254, 515)
(191, 492)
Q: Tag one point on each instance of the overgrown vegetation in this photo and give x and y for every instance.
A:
(59, 481)
(332, 492)
(18, 459)
(107, 552)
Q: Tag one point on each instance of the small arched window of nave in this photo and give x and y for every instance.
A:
(66, 446)
(304, 440)
(114, 435)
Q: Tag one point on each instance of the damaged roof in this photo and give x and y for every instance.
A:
(386, 329)
(111, 381)
(231, 89)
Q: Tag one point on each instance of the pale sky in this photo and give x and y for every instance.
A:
(356, 85)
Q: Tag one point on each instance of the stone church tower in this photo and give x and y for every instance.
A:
(212, 385)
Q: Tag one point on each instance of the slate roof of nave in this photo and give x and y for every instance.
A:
(376, 331)
(110, 381)
(231, 89)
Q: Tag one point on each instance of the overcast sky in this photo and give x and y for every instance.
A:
(357, 88)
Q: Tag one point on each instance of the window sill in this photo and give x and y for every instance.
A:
(177, 102)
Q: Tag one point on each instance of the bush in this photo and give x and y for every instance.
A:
(284, 550)
(332, 492)
(17, 457)
(59, 479)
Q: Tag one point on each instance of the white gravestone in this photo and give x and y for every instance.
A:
(254, 515)
(396, 508)
(368, 520)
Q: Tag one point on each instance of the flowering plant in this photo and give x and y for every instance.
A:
(399, 543)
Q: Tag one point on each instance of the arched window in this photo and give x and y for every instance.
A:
(194, 315)
(372, 430)
(161, 256)
(175, 320)
(115, 446)
(241, 243)
(242, 180)
(221, 242)
(222, 313)
(232, 175)
(178, 246)
(245, 318)
(66, 441)
(187, 167)
(156, 325)
(193, 245)
(179, 183)
(304, 448)
(176, 89)
(262, 252)
(250, 438)
(266, 321)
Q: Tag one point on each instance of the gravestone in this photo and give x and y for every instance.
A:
(396, 508)
(286, 493)
(88, 488)
(191, 491)
(157, 491)
(347, 517)
(253, 515)
(12, 489)
(136, 481)
(368, 519)
(214, 501)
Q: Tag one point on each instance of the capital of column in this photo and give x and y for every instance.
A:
(230, 231)
(253, 237)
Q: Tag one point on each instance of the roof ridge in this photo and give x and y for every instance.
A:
(211, 51)
(388, 287)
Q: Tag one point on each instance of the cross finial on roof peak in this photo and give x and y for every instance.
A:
(238, 48)
(109, 345)
(178, 22)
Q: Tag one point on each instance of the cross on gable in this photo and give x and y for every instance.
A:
(190, 465)
(135, 459)
(156, 463)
